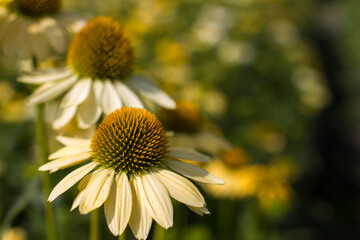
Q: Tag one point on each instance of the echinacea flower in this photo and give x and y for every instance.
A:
(98, 77)
(36, 28)
(132, 171)
(192, 130)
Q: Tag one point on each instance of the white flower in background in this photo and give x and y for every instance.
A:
(36, 28)
(98, 77)
(130, 170)
(192, 130)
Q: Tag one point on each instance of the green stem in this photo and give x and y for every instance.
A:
(123, 236)
(94, 225)
(43, 147)
(159, 233)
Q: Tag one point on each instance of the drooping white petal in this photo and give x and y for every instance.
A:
(65, 162)
(6, 24)
(157, 200)
(70, 179)
(110, 99)
(54, 34)
(89, 111)
(73, 141)
(69, 151)
(140, 220)
(81, 186)
(152, 92)
(23, 50)
(97, 191)
(211, 142)
(179, 187)
(200, 211)
(77, 200)
(188, 154)
(8, 40)
(45, 75)
(64, 117)
(194, 172)
(78, 93)
(39, 45)
(128, 96)
(51, 90)
(118, 206)
(70, 21)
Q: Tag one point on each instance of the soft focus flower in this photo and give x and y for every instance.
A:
(98, 77)
(268, 183)
(16, 233)
(36, 28)
(130, 172)
(191, 129)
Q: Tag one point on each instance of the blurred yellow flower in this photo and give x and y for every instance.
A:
(171, 52)
(269, 184)
(16, 233)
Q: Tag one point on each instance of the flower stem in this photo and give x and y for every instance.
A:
(159, 233)
(43, 147)
(123, 236)
(94, 225)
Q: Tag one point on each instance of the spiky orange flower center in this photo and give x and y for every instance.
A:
(130, 140)
(185, 118)
(35, 8)
(101, 50)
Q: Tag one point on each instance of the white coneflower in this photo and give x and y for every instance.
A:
(36, 28)
(98, 77)
(130, 172)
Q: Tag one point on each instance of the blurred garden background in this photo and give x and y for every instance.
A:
(279, 79)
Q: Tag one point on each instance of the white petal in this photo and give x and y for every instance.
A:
(45, 75)
(140, 220)
(211, 142)
(77, 200)
(194, 172)
(9, 45)
(78, 93)
(180, 188)
(73, 141)
(54, 34)
(157, 200)
(201, 211)
(152, 92)
(65, 162)
(97, 191)
(69, 151)
(39, 45)
(188, 154)
(6, 25)
(128, 96)
(51, 90)
(110, 99)
(70, 179)
(89, 111)
(65, 115)
(71, 22)
(118, 206)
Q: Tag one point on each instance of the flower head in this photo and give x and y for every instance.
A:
(46, 28)
(97, 79)
(34, 8)
(101, 50)
(130, 172)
